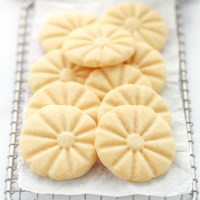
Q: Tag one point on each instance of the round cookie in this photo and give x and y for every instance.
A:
(58, 142)
(145, 24)
(99, 46)
(56, 29)
(130, 94)
(53, 67)
(70, 93)
(101, 81)
(150, 62)
(137, 146)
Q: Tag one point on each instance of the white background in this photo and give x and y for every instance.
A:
(9, 11)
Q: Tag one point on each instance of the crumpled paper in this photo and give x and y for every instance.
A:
(99, 180)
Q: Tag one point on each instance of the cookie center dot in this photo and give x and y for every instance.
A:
(66, 75)
(101, 41)
(65, 139)
(132, 23)
(135, 142)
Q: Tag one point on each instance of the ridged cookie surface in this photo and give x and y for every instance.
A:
(145, 24)
(58, 142)
(56, 29)
(101, 81)
(53, 67)
(135, 143)
(99, 46)
(150, 62)
(70, 93)
(130, 94)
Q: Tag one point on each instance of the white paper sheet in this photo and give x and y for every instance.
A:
(99, 180)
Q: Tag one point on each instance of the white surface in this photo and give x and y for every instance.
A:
(178, 179)
(8, 30)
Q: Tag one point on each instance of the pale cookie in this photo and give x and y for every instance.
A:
(135, 95)
(145, 24)
(135, 143)
(101, 81)
(99, 46)
(56, 29)
(70, 93)
(58, 142)
(53, 67)
(150, 62)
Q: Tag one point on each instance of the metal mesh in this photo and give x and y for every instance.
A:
(12, 190)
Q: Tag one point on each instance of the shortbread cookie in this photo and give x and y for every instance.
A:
(135, 143)
(58, 142)
(151, 64)
(56, 29)
(99, 46)
(101, 81)
(130, 94)
(54, 67)
(70, 93)
(144, 24)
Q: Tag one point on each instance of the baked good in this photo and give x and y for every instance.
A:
(135, 143)
(53, 67)
(59, 93)
(102, 80)
(130, 94)
(58, 142)
(98, 46)
(145, 24)
(150, 62)
(57, 28)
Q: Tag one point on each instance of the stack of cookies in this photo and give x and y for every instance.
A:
(95, 95)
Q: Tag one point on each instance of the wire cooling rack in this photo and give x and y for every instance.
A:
(12, 190)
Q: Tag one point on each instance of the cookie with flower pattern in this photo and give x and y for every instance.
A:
(58, 142)
(102, 80)
(151, 64)
(144, 24)
(130, 94)
(99, 46)
(137, 146)
(70, 93)
(56, 29)
(53, 67)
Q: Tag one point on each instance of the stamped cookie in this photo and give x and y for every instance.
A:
(130, 94)
(54, 67)
(101, 81)
(137, 146)
(70, 93)
(99, 46)
(57, 28)
(145, 24)
(150, 62)
(58, 142)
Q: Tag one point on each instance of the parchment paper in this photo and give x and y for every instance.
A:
(99, 180)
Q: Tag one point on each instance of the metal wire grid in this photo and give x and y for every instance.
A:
(185, 97)
(12, 190)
